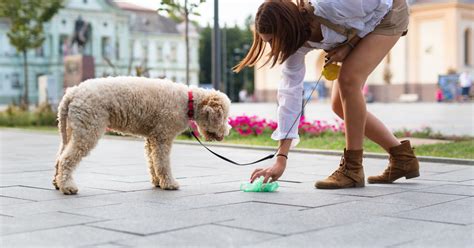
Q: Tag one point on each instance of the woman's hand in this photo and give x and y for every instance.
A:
(274, 172)
(337, 54)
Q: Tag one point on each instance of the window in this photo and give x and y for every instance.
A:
(106, 47)
(132, 50)
(159, 53)
(145, 50)
(468, 47)
(64, 44)
(173, 54)
(15, 81)
(117, 49)
(39, 52)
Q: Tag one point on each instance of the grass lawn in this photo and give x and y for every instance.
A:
(459, 149)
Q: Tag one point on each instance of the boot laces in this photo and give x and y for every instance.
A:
(342, 167)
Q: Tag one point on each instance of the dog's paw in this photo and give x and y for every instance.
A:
(155, 182)
(55, 184)
(69, 188)
(169, 185)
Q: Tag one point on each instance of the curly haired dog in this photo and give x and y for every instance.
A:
(152, 108)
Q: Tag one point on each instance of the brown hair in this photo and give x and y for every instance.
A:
(289, 26)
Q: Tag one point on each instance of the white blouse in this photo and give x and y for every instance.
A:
(362, 15)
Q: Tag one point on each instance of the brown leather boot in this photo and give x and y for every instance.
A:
(403, 163)
(349, 174)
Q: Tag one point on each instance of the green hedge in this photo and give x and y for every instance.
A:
(14, 116)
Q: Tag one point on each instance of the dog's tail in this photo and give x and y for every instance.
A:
(63, 110)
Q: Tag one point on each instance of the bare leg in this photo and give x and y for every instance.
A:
(160, 151)
(375, 130)
(354, 72)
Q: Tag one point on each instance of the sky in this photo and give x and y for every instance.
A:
(230, 11)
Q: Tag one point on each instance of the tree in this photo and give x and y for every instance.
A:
(205, 49)
(175, 9)
(26, 32)
(235, 46)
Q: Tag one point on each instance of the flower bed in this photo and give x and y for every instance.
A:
(253, 125)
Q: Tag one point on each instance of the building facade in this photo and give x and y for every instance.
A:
(122, 38)
(440, 39)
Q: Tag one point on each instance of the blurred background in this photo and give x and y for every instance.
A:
(64, 42)
(132, 37)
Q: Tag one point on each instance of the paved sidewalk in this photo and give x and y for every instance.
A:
(118, 207)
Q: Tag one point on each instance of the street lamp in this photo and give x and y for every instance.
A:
(216, 51)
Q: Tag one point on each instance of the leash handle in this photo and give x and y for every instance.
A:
(228, 160)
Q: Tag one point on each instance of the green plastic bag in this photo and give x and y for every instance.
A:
(259, 186)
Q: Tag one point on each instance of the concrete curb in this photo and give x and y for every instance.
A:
(331, 152)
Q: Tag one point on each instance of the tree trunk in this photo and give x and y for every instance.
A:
(26, 102)
(186, 37)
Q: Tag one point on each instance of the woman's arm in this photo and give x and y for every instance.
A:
(290, 96)
(274, 172)
(339, 53)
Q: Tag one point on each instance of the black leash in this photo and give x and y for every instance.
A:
(271, 155)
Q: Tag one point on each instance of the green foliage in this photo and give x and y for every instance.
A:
(15, 116)
(236, 44)
(425, 132)
(26, 18)
(179, 9)
(44, 116)
(205, 58)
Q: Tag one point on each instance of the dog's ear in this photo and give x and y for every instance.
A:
(212, 109)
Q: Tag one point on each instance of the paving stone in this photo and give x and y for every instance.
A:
(377, 232)
(124, 210)
(410, 185)
(152, 222)
(451, 189)
(464, 174)
(73, 236)
(450, 237)
(43, 194)
(369, 191)
(454, 212)
(32, 208)
(107, 245)
(316, 198)
(419, 199)
(205, 236)
(4, 201)
(117, 205)
(467, 182)
(32, 194)
(41, 221)
(204, 200)
(317, 218)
